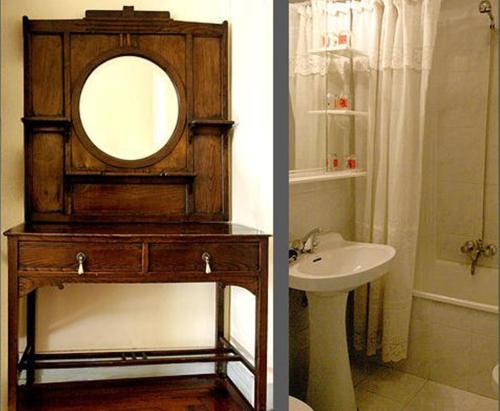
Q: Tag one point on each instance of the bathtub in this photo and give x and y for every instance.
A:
(453, 329)
(450, 282)
(489, 308)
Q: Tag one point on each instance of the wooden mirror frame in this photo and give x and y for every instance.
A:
(181, 98)
(68, 178)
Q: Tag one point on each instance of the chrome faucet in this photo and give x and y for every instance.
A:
(476, 249)
(310, 240)
(305, 245)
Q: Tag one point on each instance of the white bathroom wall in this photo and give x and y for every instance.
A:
(461, 147)
(114, 316)
(326, 205)
(463, 127)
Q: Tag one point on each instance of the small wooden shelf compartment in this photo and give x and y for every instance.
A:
(201, 126)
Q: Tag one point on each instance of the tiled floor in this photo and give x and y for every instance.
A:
(386, 389)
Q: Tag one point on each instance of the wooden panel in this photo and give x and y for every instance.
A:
(81, 159)
(171, 47)
(61, 256)
(170, 52)
(47, 168)
(225, 257)
(85, 48)
(47, 74)
(121, 199)
(207, 77)
(208, 158)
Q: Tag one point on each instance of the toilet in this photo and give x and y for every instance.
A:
(296, 405)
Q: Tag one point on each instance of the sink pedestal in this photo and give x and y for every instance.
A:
(327, 275)
(330, 381)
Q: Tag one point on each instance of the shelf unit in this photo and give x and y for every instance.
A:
(344, 51)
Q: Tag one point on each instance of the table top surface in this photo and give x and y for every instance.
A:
(134, 229)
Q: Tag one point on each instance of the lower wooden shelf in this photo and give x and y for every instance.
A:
(187, 393)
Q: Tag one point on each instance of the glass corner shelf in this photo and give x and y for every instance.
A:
(339, 51)
(310, 176)
(338, 112)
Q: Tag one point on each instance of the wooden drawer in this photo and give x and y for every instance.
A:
(61, 256)
(187, 257)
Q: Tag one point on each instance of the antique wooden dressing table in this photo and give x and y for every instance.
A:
(158, 212)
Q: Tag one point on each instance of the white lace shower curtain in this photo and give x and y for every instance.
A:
(307, 80)
(388, 202)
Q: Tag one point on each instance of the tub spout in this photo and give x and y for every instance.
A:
(473, 264)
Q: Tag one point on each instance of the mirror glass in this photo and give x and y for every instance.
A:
(129, 107)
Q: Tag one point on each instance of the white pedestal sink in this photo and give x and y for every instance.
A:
(327, 275)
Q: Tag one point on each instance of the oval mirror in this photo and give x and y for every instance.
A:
(129, 107)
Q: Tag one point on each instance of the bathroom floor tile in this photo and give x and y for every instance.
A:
(368, 401)
(392, 384)
(485, 404)
(362, 371)
(359, 374)
(440, 397)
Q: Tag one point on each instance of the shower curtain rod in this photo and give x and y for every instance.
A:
(329, 2)
(335, 1)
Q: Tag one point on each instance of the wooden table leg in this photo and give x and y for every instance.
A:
(260, 398)
(220, 367)
(13, 319)
(30, 336)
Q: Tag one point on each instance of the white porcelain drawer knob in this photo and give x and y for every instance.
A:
(80, 259)
(206, 258)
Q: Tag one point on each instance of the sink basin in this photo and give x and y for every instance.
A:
(327, 275)
(339, 265)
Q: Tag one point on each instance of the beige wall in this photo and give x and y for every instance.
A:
(91, 317)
